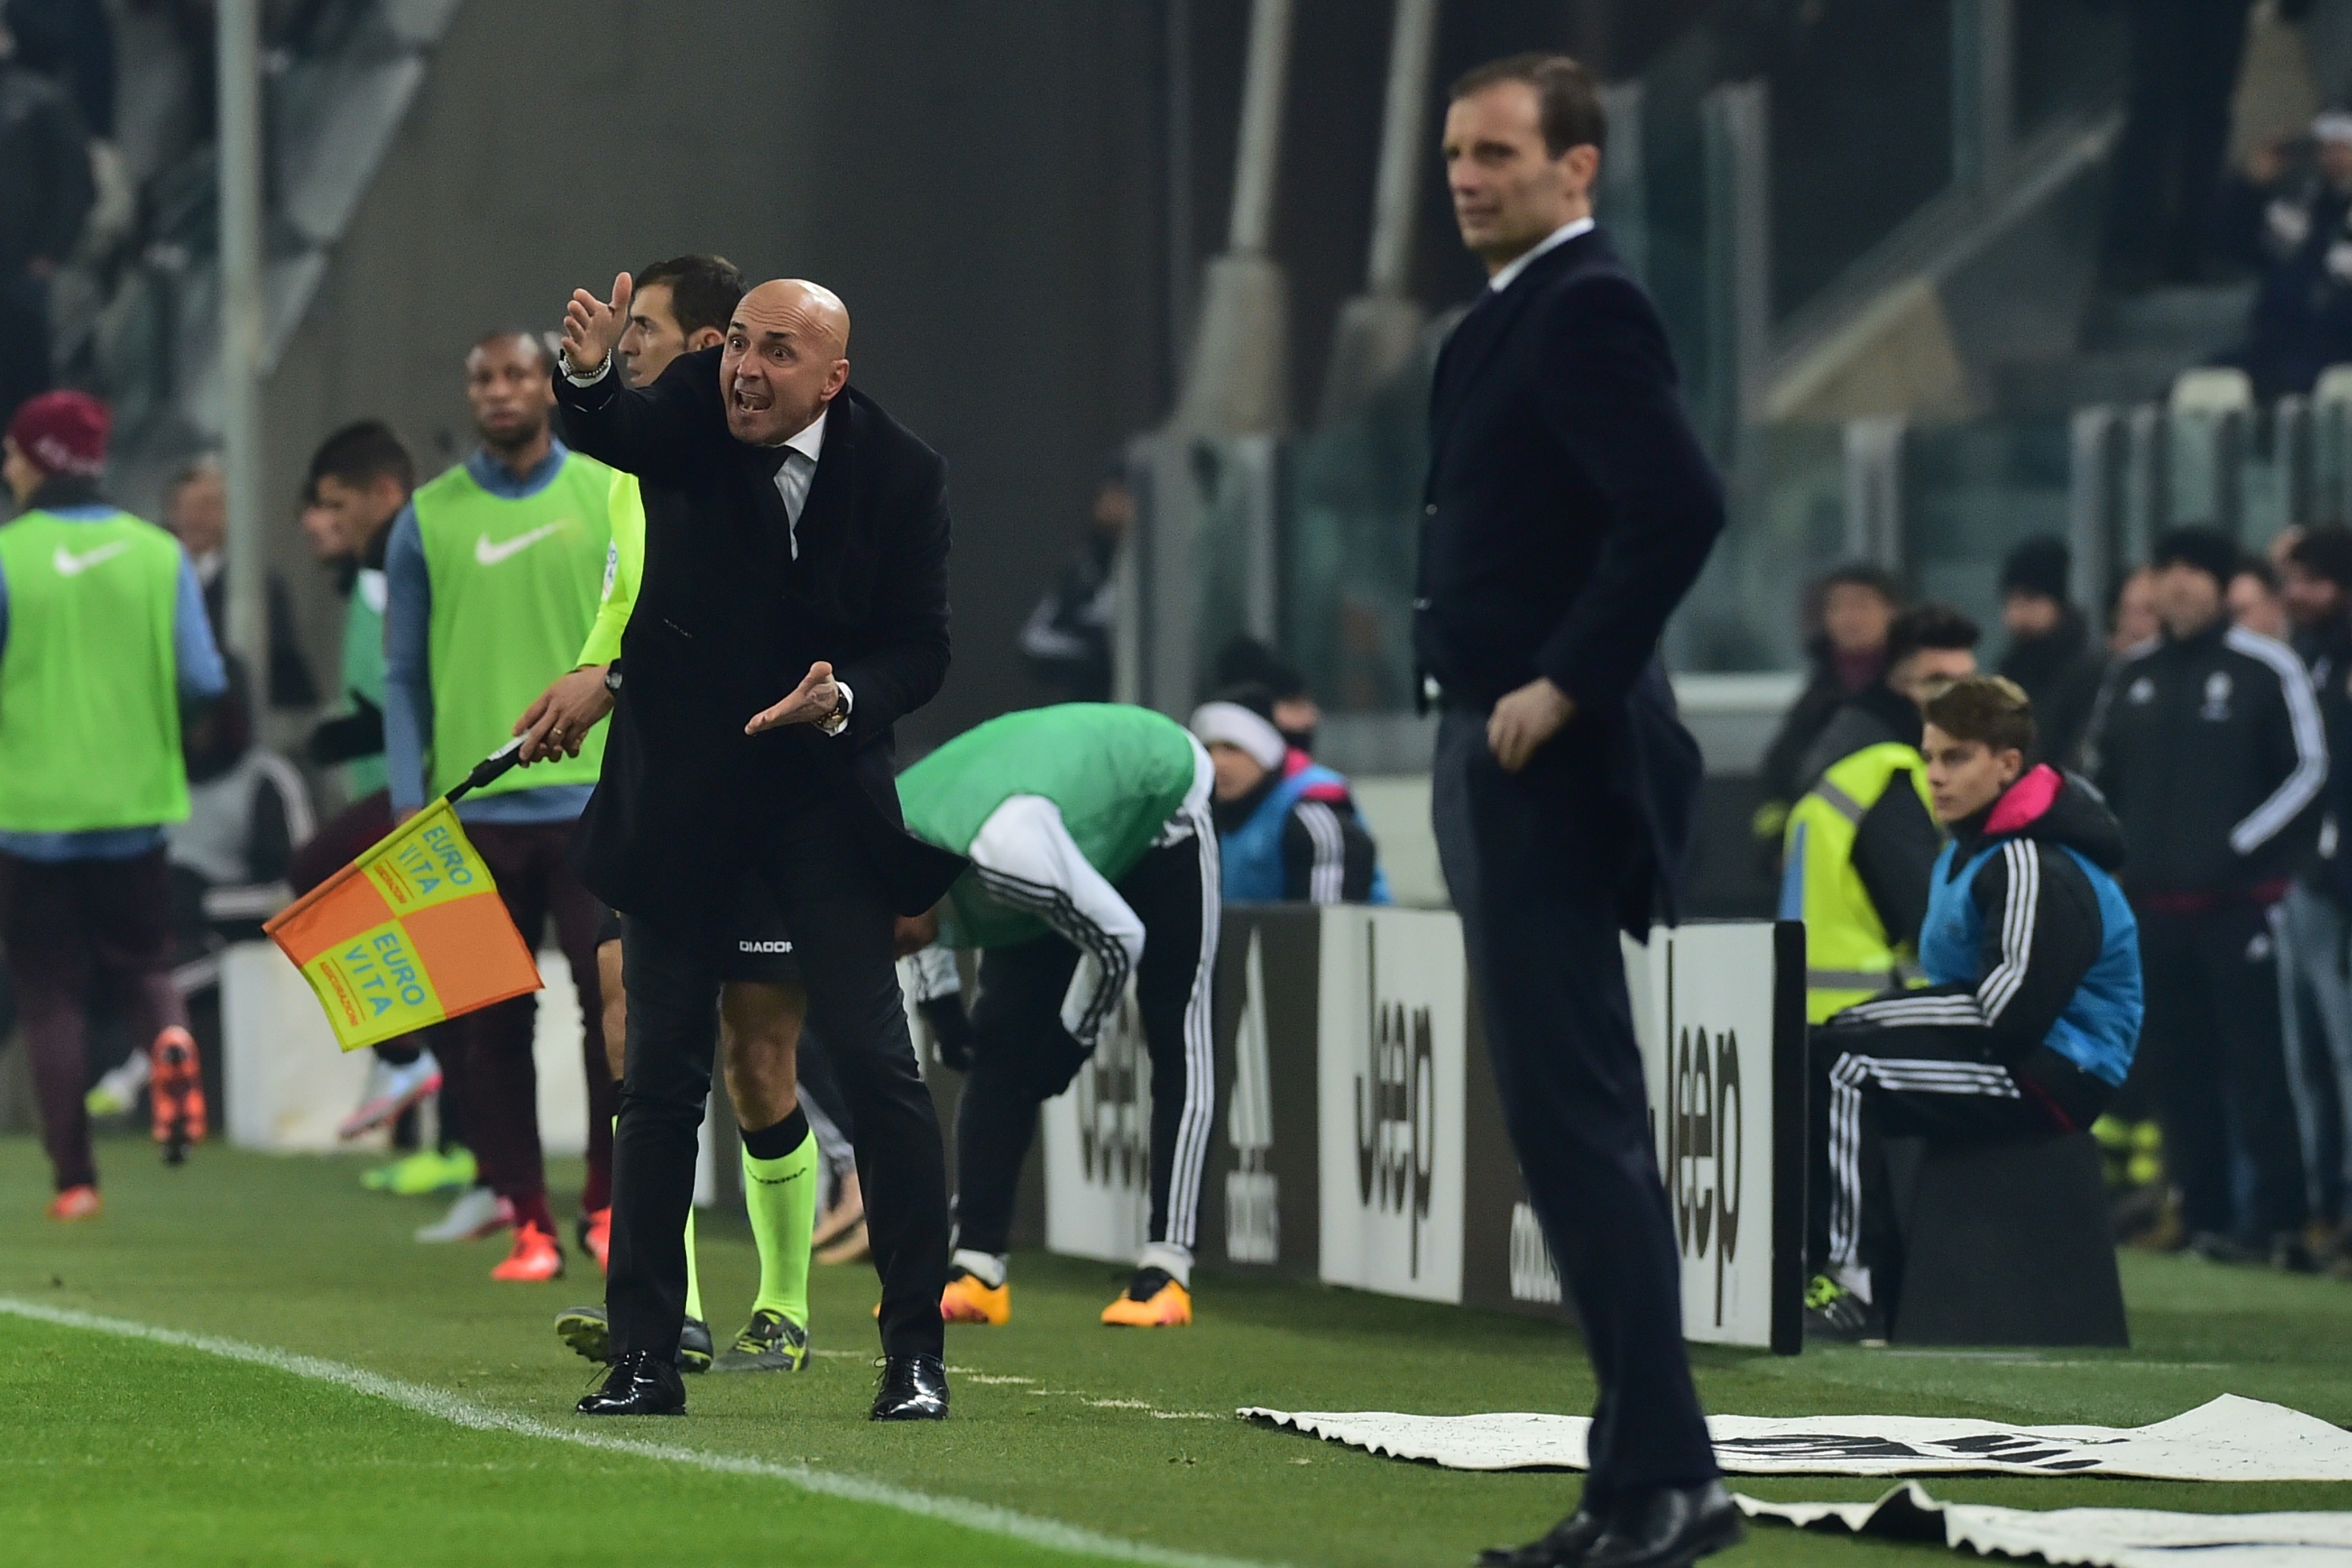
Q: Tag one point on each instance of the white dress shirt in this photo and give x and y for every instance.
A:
(799, 470)
(1553, 241)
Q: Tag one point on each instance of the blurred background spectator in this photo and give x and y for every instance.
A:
(2184, 67)
(1846, 616)
(196, 509)
(2255, 599)
(2285, 216)
(2050, 654)
(2209, 747)
(46, 192)
(1067, 637)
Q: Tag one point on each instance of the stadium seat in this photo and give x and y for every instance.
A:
(2008, 1245)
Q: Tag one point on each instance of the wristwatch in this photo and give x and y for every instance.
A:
(839, 721)
(613, 678)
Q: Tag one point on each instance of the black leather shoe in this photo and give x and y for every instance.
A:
(911, 1388)
(1562, 1546)
(640, 1383)
(1671, 1528)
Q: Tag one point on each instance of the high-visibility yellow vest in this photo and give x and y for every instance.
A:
(1848, 955)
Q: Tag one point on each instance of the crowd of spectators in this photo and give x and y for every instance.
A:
(2215, 717)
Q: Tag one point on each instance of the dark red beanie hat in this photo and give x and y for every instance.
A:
(63, 432)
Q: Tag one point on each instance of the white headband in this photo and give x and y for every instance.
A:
(1232, 725)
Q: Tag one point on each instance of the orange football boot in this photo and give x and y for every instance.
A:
(75, 1202)
(1153, 1301)
(969, 1299)
(596, 1236)
(535, 1257)
(176, 1091)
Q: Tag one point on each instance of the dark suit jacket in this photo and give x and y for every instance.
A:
(727, 623)
(1568, 508)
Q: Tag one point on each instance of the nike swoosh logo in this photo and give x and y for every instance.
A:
(491, 554)
(68, 564)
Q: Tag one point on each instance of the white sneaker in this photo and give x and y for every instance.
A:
(391, 1090)
(115, 1093)
(478, 1211)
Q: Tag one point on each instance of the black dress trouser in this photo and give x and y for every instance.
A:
(841, 925)
(2215, 1057)
(1529, 859)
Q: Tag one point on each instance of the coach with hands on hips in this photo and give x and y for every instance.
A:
(796, 544)
(1568, 508)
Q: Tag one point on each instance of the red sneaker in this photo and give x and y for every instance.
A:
(535, 1257)
(177, 1093)
(75, 1202)
(596, 1236)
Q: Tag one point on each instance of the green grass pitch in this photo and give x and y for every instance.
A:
(122, 1450)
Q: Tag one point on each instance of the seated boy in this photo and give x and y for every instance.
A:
(2033, 1009)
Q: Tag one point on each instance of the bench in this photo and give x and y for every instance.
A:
(2005, 1244)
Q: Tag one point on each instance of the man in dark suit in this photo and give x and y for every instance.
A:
(1568, 508)
(796, 542)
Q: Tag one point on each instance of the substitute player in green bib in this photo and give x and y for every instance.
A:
(1094, 862)
(102, 634)
(362, 478)
(493, 573)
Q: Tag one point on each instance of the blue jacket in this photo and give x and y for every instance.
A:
(2028, 938)
(1256, 867)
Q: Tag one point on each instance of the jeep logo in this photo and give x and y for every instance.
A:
(1705, 1140)
(1396, 1116)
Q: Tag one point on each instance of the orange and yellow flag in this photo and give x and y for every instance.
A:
(410, 933)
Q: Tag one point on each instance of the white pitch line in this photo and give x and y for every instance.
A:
(1051, 1534)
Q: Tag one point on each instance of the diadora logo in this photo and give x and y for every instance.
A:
(1114, 1105)
(68, 564)
(1705, 1136)
(489, 554)
(748, 946)
(1396, 1111)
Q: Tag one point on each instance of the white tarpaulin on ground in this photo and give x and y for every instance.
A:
(2094, 1537)
(2229, 1439)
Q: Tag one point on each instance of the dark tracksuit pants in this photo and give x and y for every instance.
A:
(1531, 861)
(841, 932)
(1922, 1080)
(535, 881)
(1021, 1057)
(2215, 1058)
(68, 924)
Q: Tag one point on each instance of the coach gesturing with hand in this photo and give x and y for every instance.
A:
(793, 607)
(1568, 509)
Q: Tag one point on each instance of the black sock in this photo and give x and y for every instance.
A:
(775, 1143)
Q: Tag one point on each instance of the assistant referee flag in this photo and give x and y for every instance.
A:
(411, 932)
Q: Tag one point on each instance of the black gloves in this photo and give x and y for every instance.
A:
(951, 1028)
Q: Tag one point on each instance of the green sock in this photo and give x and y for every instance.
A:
(781, 1196)
(693, 1275)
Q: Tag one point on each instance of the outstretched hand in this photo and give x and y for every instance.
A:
(812, 702)
(592, 327)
